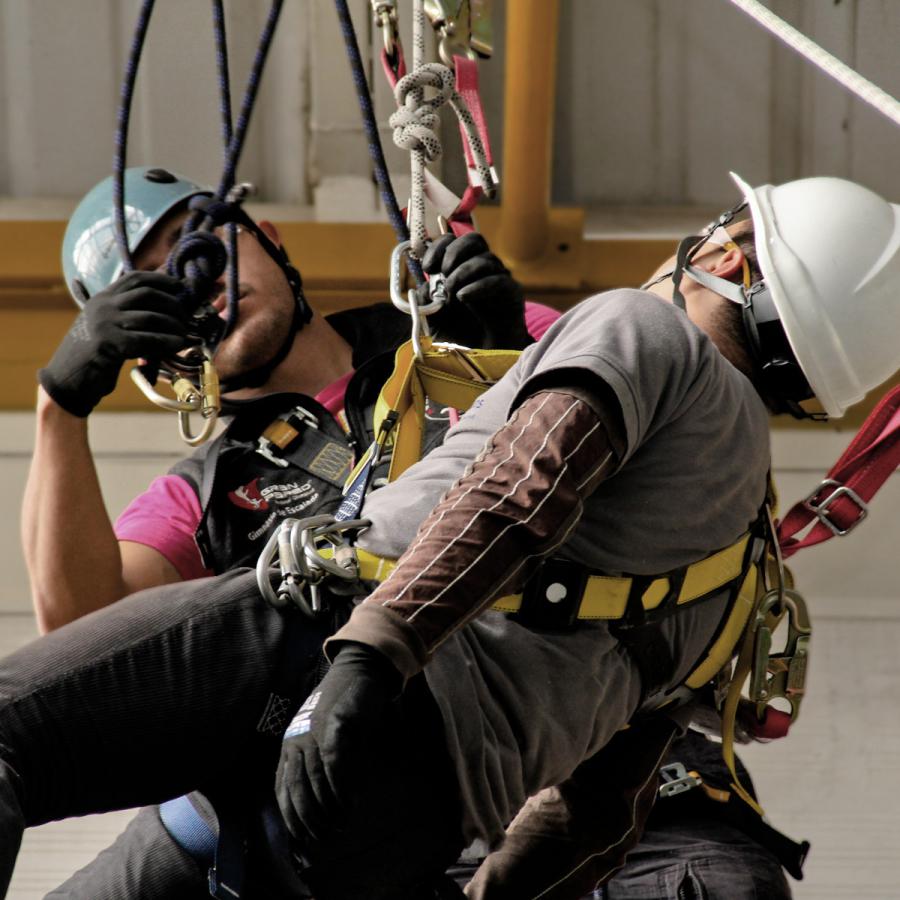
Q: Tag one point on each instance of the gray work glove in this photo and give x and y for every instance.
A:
(139, 315)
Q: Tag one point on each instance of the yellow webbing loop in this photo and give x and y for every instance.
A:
(450, 376)
(729, 709)
(729, 637)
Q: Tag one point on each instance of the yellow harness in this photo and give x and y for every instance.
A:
(456, 377)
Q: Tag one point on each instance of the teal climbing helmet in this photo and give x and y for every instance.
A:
(90, 256)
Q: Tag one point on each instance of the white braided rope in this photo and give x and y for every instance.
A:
(413, 100)
(831, 65)
(416, 126)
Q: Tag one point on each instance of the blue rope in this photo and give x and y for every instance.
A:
(225, 108)
(197, 259)
(236, 144)
(124, 116)
(222, 65)
(234, 139)
(376, 152)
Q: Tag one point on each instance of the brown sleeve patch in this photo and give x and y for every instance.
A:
(518, 502)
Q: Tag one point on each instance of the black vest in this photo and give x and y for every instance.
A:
(244, 495)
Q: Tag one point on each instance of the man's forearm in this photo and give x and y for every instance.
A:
(520, 500)
(70, 548)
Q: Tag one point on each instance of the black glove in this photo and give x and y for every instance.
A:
(478, 287)
(137, 316)
(332, 747)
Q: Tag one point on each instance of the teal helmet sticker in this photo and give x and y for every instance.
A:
(90, 255)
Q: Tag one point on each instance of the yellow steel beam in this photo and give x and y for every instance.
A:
(529, 94)
(35, 308)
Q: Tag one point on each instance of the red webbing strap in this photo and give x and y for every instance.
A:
(839, 503)
(468, 88)
(394, 69)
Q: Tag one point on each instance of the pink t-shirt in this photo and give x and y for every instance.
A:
(167, 514)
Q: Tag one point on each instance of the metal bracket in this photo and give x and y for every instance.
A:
(677, 779)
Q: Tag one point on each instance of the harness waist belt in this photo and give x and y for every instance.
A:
(605, 597)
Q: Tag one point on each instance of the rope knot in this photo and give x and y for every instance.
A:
(216, 212)
(199, 258)
(416, 127)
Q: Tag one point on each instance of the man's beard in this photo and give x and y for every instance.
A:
(254, 344)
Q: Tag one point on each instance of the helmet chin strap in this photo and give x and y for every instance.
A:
(714, 233)
(770, 351)
(302, 312)
(730, 290)
(686, 249)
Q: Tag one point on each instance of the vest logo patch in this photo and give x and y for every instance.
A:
(282, 494)
(248, 496)
(288, 500)
(333, 462)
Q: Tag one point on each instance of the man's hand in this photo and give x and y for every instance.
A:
(478, 280)
(332, 748)
(137, 316)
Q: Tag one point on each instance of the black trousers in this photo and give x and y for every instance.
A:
(189, 687)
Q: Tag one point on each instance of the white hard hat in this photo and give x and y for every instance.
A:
(829, 251)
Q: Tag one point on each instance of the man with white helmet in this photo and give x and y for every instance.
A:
(628, 450)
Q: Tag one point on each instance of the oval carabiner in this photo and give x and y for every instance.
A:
(188, 399)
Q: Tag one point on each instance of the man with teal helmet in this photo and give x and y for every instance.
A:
(277, 345)
(92, 265)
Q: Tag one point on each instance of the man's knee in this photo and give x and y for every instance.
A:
(144, 863)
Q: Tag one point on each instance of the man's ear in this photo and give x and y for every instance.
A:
(270, 231)
(729, 263)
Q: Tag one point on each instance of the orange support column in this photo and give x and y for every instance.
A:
(531, 37)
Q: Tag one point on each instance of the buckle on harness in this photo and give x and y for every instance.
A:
(281, 433)
(677, 779)
(552, 596)
(820, 508)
